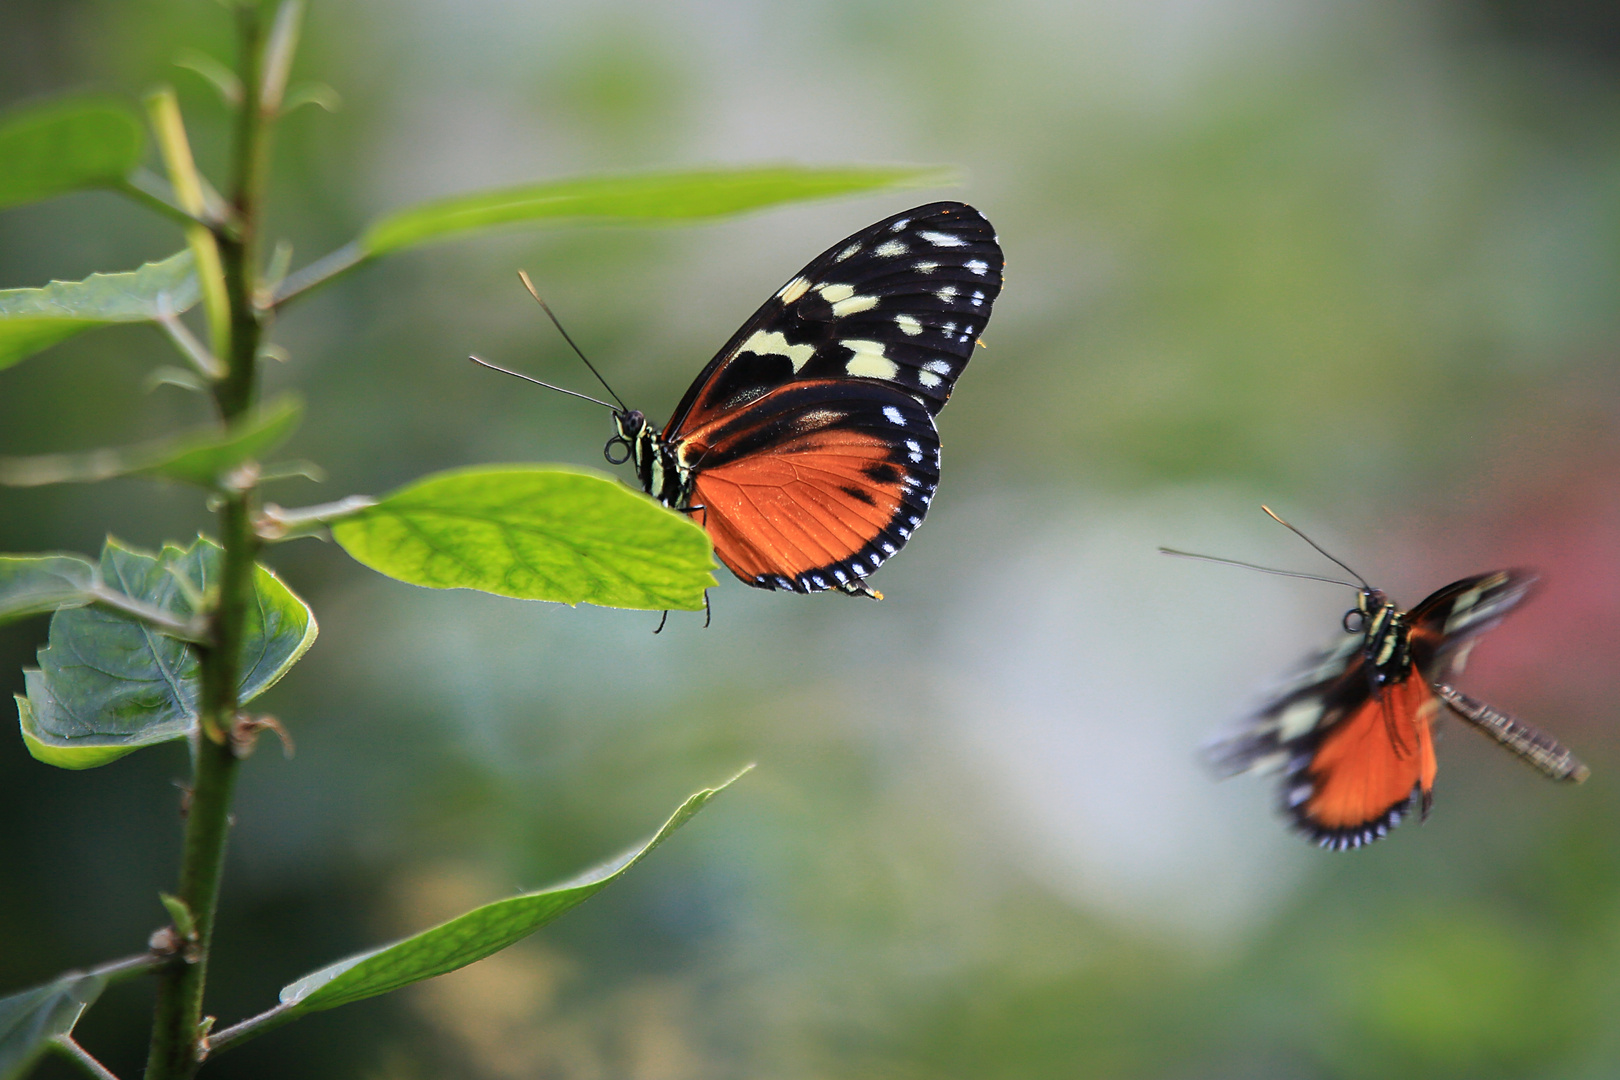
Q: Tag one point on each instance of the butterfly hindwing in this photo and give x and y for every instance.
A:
(815, 484)
(900, 303)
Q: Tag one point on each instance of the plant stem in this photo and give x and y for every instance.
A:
(268, 1020)
(77, 1054)
(177, 1029)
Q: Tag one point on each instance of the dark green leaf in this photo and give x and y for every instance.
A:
(31, 1019)
(32, 319)
(536, 533)
(109, 683)
(33, 584)
(676, 196)
(198, 458)
(66, 146)
(472, 936)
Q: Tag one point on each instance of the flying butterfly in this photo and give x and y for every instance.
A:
(806, 448)
(1351, 733)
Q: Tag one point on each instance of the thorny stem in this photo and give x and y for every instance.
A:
(178, 1030)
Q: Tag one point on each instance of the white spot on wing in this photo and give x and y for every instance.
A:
(847, 252)
(870, 362)
(947, 294)
(978, 266)
(926, 267)
(854, 305)
(916, 449)
(890, 249)
(908, 325)
(943, 367)
(1298, 719)
(929, 379)
(978, 298)
(775, 343)
(940, 239)
(900, 225)
(794, 289)
(834, 293)
(893, 415)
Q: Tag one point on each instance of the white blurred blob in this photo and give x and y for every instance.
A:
(1084, 672)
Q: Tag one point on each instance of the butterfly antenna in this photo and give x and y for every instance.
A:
(1274, 517)
(537, 382)
(527, 284)
(1262, 569)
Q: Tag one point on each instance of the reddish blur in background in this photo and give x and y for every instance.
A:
(1358, 261)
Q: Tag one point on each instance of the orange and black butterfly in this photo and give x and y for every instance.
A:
(1351, 734)
(807, 447)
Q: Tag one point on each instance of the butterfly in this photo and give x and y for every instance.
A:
(807, 447)
(1352, 735)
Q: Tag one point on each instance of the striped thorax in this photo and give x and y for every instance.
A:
(1385, 637)
(659, 467)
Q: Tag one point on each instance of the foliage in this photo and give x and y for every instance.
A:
(150, 647)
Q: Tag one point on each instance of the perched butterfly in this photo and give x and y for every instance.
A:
(1351, 734)
(806, 447)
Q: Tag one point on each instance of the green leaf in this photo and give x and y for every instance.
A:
(33, 319)
(31, 1019)
(200, 458)
(534, 532)
(66, 146)
(109, 683)
(34, 584)
(472, 936)
(676, 196)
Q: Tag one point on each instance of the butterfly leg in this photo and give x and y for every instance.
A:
(664, 620)
(708, 612)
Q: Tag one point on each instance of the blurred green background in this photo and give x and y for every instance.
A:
(1357, 260)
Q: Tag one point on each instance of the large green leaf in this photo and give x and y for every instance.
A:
(33, 319)
(66, 146)
(31, 1019)
(472, 936)
(198, 457)
(534, 532)
(34, 584)
(109, 683)
(673, 196)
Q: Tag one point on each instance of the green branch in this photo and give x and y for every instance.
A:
(178, 1031)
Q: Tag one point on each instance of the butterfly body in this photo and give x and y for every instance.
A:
(807, 447)
(1352, 736)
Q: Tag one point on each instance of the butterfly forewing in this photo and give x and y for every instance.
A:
(901, 303)
(1447, 622)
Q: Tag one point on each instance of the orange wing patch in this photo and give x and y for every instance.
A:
(814, 506)
(1364, 770)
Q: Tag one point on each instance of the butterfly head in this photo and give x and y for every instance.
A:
(658, 466)
(629, 426)
(1370, 605)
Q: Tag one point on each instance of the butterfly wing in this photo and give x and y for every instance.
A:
(1447, 624)
(1445, 627)
(900, 303)
(816, 484)
(1350, 759)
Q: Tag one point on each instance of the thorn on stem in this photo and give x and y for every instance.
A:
(245, 734)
